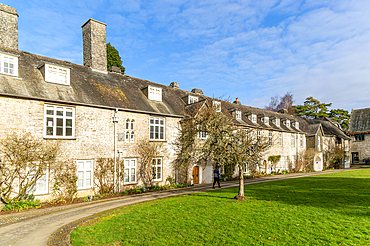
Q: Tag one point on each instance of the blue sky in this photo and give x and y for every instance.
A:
(248, 49)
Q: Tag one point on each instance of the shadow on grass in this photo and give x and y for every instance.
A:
(350, 195)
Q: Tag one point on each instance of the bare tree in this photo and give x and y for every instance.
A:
(25, 159)
(148, 151)
(65, 180)
(278, 103)
(225, 144)
(104, 173)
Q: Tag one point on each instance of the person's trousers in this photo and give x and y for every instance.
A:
(218, 181)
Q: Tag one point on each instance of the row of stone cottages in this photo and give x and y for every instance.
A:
(97, 113)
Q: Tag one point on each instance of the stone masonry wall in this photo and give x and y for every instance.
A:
(362, 147)
(94, 134)
(94, 45)
(8, 27)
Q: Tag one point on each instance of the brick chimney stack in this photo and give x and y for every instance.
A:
(94, 45)
(8, 27)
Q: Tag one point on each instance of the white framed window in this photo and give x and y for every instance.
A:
(202, 134)
(301, 141)
(84, 174)
(292, 159)
(258, 134)
(8, 64)
(192, 99)
(266, 120)
(246, 168)
(238, 115)
(41, 186)
(292, 140)
(59, 121)
(276, 122)
(296, 125)
(287, 123)
(154, 93)
(319, 142)
(130, 171)
(57, 74)
(270, 138)
(157, 169)
(217, 106)
(156, 128)
(280, 139)
(129, 132)
(282, 162)
(253, 118)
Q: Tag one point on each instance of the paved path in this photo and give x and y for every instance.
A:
(35, 227)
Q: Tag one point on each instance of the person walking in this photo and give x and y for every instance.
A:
(216, 177)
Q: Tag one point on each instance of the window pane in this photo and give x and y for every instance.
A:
(153, 172)
(69, 112)
(133, 163)
(156, 132)
(60, 111)
(161, 121)
(156, 121)
(132, 125)
(159, 172)
(88, 178)
(151, 121)
(59, 127)
(151, 132)
(126, 175)
(127, 124)
(133, 174)
(80, 179)
(159, 161)
(50, 110)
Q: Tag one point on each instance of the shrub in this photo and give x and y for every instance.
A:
(65, 180)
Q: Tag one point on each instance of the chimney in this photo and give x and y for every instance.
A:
(95, 45)
(197, 91)
(237, 101)
(8, 27)
(175, 85)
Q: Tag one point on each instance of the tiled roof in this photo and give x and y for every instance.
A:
(359, 121)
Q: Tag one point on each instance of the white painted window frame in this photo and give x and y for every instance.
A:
(217, 106)
(85, 171)
(292, 140)
(154, 131)
(10, 60)
(130, 168)
(155, 93)
(266, 120)
(57, 74)
(281, 139)
(252, 118)
(192, 99)
(155, 167)
(271, 142)
(55, 117)
(276, 122)
(35, 188)
(301, 141)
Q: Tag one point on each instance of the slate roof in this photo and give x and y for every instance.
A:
(359, 122)
(112, 90)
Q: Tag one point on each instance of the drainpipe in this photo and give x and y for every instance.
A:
(115, 121)
(119, 170)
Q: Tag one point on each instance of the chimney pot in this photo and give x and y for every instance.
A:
(237, 101)
(175, 85)
(197, 91)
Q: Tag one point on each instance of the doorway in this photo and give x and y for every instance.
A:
(195, 175)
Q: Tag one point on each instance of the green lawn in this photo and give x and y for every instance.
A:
(329, 209)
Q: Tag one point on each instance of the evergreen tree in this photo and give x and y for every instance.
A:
(342, 116)
(113, 58)
(312, 108)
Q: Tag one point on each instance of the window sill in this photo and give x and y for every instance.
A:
(60, 138)
(125, 183)
(84, 188)
(157, 140)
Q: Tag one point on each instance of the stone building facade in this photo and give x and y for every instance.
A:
(359, 130)
(98, 114)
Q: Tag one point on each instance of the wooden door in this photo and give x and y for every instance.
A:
(265, 165)
(196, 175)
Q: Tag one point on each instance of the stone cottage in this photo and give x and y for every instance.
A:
(95, 113)
(359, 130)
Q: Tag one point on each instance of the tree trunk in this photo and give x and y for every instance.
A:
(240, 196)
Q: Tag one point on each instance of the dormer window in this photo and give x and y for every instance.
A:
(287, 123)
(8, 64)
(266, 120)
(55, 73)
(154, 93)
(276, 121)
(192, 99)
(253, 118)
(296, 124)
(238, 115)
(217, 106)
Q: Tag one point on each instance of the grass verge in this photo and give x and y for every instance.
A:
(329, 209)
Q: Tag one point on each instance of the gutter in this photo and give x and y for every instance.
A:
(91, 105)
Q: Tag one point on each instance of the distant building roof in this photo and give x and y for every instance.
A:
(359, 121)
